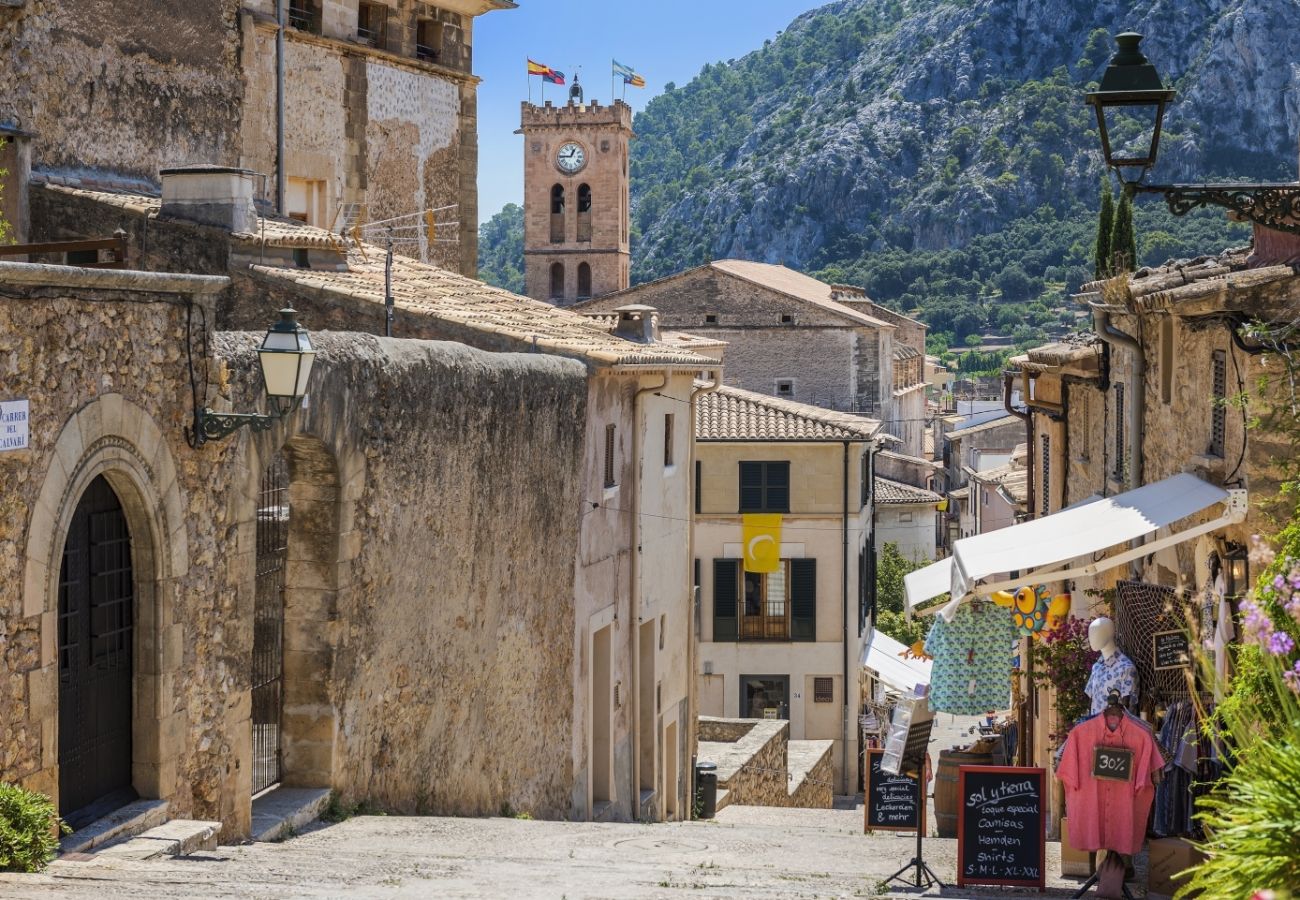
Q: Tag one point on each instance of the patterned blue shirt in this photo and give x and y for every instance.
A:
(1118, 674)
(971, 674)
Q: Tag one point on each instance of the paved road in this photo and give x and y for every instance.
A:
(747, 852)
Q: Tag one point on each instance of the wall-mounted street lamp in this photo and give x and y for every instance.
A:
(1236, 565)
(1131, 84)
(286, 358)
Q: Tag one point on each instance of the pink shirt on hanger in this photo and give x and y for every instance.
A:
(1104, 814)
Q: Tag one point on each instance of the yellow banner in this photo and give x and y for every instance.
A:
(761, 533)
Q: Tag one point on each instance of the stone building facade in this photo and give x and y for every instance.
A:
(406, 661)
(796, 338)
(631, 700)
(787, 642)
(576, 200)
(379, 117)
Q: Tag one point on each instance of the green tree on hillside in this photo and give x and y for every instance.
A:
(501, 249)
(1105, 224)
(1123, 241)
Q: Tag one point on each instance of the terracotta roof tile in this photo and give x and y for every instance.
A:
(889, 491)
(732, 414)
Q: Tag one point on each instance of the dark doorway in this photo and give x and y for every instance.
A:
(96, 642)
(268, 623)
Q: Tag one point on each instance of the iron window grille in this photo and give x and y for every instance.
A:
(372, 24)
(610, 431)
(1044, 505)
(1119, 431)
(304, 16)
(1218, 414)
(765, 607)
(823, 690)
(765, 487)
(668, 439)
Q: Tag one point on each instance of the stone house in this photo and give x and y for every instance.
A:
(997, 496)
(374, 102)
(797, 338)
(785, 644)
(906, 515)
(613, 678)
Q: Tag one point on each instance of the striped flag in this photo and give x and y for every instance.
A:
(554, 76)
(628, 76)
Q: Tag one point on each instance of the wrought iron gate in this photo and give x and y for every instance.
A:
(96, 637)
(268, 623)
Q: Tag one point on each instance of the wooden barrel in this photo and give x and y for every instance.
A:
(945, 786)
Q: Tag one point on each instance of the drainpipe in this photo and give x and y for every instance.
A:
(634, 602)
(279, 106)
(692, 637)
(1137, 403)
(1028, 417)
(844, 622)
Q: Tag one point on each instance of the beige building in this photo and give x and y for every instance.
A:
(373, 101)
(907, 516)
(797, 338)
(576, 200)
(786, 644)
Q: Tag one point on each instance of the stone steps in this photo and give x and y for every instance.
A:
(179, 837)
(279, 814)
(129, 821)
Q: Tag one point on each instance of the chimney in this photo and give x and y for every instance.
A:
(637, 323)
(210, 195)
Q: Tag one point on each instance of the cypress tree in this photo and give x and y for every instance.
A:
(1123, 241)
(1105, 222)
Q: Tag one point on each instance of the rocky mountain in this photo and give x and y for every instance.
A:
(925, 148)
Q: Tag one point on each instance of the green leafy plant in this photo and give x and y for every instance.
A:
(1063, 660)
(1252, 819)
(29, 829)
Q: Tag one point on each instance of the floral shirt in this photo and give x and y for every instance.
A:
(971, 673)
(1115, 674)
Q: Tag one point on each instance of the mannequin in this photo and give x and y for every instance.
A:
(1113, 672)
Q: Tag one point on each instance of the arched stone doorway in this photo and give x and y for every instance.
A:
(96, 644)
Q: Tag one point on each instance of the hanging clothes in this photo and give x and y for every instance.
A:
(1106, 814)
(1115, 674)
(971, 673)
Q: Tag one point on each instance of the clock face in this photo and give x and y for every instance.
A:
(570, 158)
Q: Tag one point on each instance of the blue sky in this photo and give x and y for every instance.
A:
(664, 40)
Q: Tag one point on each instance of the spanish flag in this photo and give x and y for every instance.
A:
(761, 533)
(628, 76)
(547, 73)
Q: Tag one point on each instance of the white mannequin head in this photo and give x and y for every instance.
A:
(1101, 636)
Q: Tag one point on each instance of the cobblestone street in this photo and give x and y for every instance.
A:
(747, 852)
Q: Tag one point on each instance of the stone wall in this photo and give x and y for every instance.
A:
(105, 87)
(415, 605)
(758, 764)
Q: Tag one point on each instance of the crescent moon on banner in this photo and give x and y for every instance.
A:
(749, 549)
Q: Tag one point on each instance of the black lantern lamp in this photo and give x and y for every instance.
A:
(1131, 83)
(286, 357)
(1236, 570)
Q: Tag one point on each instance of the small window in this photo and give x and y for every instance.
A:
(584, 212)
(557, 281)
(823, 690)
(668, 439)
(785, 387)
(428, 40)
(557, 214)
(1167, 359)
(610, 431)
(765, 487)
(304, 15)
(904, 517)
(372, 24)
(1119, 432)
(1218, 412)
(300, 258)
(710, 319)
(787, 319)
(584, 281)
(1044, 504)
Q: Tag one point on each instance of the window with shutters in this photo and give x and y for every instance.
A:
(1045, 487)
(764, 487)
(610, 432)
(823, 690)
(1119, 432)
(758, 606)
(1219, 410)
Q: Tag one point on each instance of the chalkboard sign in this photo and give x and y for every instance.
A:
(1112, 763)
(1171, 650)
(1001, 829)
(890, 799)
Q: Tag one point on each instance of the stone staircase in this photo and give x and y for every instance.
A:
(758, 764)
(139, 831)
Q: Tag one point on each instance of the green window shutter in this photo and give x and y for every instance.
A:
(803, 599)
(751, 487)
(726, 589)
(778, 487)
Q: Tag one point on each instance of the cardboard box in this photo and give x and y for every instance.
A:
(1081, 863)
(1166, 857)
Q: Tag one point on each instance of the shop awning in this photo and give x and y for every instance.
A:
(1042, 549)
(881, 656)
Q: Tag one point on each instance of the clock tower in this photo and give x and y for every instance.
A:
(576, 200)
